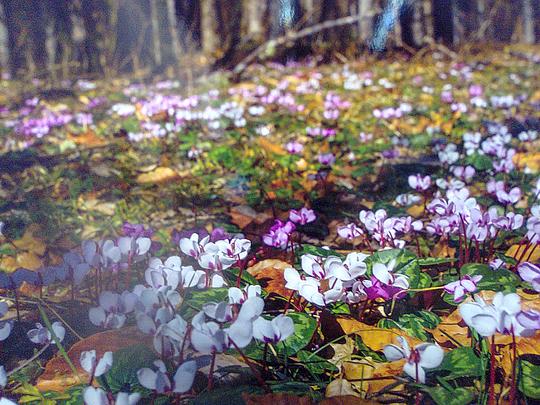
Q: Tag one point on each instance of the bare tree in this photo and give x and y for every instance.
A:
(208, 30)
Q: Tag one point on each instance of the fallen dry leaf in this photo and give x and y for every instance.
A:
(269, 273)
(59, 377)
(30, 241)
(383, 375)
(372, 336)
(340, 387)
(158, 175)
(531, 254)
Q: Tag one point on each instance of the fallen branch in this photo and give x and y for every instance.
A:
(292, 36)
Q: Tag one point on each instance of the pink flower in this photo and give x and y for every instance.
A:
(294, 148)
(303, 216)
(327, 159)
(475, 90)
(419, 183)
(461, 287)
(349, 231)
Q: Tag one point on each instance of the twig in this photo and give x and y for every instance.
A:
(292, 36)
(30, 360)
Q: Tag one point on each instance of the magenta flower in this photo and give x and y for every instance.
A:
(278, 235)
(303, 216)
(461, 287)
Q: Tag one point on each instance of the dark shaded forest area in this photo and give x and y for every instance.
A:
(61, 38)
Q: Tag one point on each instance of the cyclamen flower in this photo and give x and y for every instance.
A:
(303, 216)
(42, 335)
(96, 396)
(419, 183)
(510, 197)
(276, 330)
(530, 273)
(350, 231)
(238, 296)
(92, 366)
(501, 316)
(5, 326)
(294, 148)
(326, 159)
(159, 380)
(278, 235)
(421, 357)
(3, 383)
(112, 309)
(461, 287)
(383, 283)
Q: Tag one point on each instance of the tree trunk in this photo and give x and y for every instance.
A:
(527, 13)
(427, 13)
(366, 19)
(252, 14)
(17, 35)
(208, 30)
(156, 43)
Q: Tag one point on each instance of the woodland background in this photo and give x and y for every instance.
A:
(57, 39)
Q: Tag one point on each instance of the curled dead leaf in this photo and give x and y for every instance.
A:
(340, 387)
(158, 175)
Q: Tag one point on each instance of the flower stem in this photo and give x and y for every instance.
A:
(491, 399)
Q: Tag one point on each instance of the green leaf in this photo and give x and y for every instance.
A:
(529, 378)
(195, 299)
(494, 280)
(232, 274)
(461, 362)
(123, 373)
(225, 395)
(434, 261)
(456, 396)
(304, 328)
(315, 364)
(480, 162)
(318, 251)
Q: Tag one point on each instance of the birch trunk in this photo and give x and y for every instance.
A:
(208, 20)
(156, 45)
(366, 19)
(527, 12)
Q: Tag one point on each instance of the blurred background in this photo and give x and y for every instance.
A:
(57, 39)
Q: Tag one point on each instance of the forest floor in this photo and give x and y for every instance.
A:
(402, 190)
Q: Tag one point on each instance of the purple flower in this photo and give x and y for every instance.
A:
(136, 230)
(294, 148)
(278, 235)
(461, 287)
(447, 97)
(327, 159)
(303, 216)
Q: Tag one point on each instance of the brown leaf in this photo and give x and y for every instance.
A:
(531, 254)
(269, 273)
(383, 370)
(58, 376)
(243, 215)
(88, 138)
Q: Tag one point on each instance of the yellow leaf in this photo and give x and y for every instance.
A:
(29, 242)
(356, 372)
(373, 337)
(29, 260)
(532, 254)
(271, 147)
(415, 210)
(159, 175)
(340, 387)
